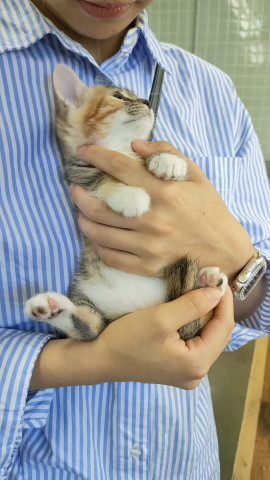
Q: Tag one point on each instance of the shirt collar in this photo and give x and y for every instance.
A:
(142, 30)
(21, 25)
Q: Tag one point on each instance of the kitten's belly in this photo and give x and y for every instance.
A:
(116, 293)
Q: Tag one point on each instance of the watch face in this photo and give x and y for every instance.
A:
(249, 277)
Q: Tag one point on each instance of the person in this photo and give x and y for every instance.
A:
(135, 403)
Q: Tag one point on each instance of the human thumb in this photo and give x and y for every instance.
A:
(146, 149)
(189, 307)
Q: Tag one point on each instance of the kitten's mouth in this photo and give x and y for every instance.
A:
(149, 114)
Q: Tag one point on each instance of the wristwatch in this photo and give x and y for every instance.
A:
(249, 276)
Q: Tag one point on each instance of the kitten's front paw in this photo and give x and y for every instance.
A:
(129, 201)
(212, 277)
(168, 166)
(45, 306)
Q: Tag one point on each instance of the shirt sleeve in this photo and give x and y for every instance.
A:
(251, 207)
(18, 353)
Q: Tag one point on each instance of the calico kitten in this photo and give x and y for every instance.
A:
(112, 117)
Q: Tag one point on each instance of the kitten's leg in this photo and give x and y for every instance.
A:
(167, 166)
(124, 199)
(82, 321)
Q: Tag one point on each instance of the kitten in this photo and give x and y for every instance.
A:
(112, 117)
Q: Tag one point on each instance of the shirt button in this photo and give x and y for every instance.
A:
(135, 451)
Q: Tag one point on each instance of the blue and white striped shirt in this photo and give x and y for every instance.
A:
(111, 431)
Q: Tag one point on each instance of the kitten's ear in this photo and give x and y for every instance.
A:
(67, 85)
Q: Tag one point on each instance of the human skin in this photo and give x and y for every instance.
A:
(188, 217)
(154, 352)
(185, 218)
(143, 346)
(106, 34)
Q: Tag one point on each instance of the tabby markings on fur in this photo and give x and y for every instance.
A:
(112, 117)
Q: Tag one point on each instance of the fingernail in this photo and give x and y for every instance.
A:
(82, 150)
(140, 142)
(213, 293)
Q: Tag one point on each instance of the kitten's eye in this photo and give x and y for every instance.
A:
(118, 95)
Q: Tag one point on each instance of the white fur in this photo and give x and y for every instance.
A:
(211, 276)
(168, 166)
(41, 301)
(117, 136)
(116, 293)
(64, 322)
(124, 129)
(129, 201)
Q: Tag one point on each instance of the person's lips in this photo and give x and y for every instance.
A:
(103, 10)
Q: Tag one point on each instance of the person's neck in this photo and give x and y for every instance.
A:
(100, 50)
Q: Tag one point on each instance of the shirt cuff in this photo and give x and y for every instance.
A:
(18, 354)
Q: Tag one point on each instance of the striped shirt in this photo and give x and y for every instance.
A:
(128, 430)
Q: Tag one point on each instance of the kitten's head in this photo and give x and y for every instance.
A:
(102, 115)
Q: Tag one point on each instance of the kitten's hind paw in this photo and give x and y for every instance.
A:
(46, 306)
(212, 277)
(80, 322)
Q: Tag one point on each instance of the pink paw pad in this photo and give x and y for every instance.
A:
(212, 277)
(202, 280)
(39, 311)
(52, 304)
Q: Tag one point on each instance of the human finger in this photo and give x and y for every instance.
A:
(121, 260)
(217, 332)
(98, 211)
(118, 165)
(146, 149)
(188, 307)
(108, 236)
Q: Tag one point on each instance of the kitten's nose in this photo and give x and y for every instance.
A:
(145, 102)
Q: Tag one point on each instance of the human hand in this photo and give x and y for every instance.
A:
(144, 346)
(184, 218)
